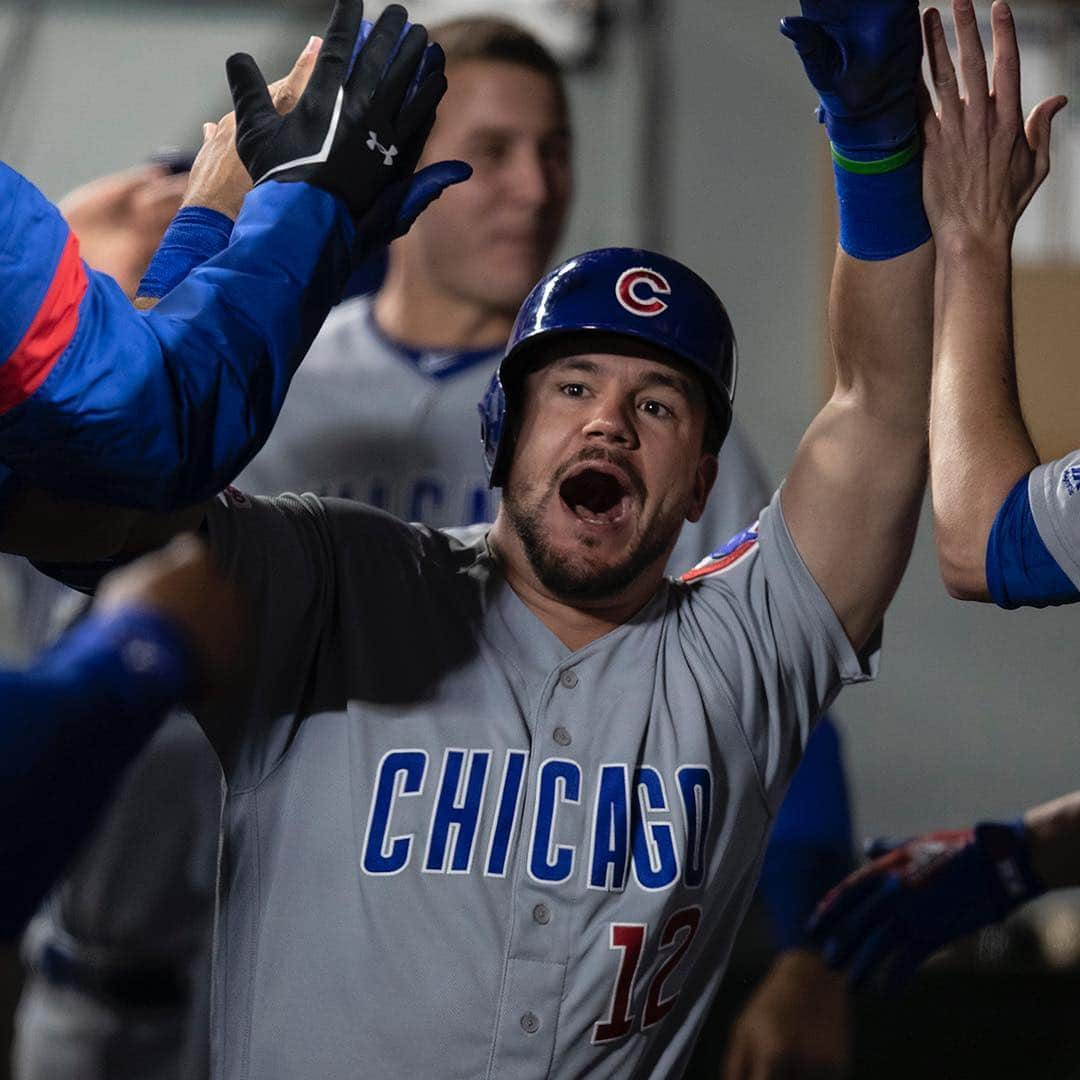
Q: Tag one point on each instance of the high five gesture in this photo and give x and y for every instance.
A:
(983, 165)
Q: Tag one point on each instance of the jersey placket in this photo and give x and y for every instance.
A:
(546, 913)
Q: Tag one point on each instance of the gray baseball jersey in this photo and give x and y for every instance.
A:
(369, 419)
(451, 847)
(1054, 493)
(365, 418)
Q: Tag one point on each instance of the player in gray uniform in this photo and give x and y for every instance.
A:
(368, 418)
(530, 789)
(499, 798)
(589, 892)
(379, 410)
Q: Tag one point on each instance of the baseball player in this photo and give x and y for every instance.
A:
(559, 764)
(162, 628)
(1009, 533)
(376, 410)
(356, 399)
(392, 646)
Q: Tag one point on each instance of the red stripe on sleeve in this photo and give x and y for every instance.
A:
(49, 334)
(719, 564)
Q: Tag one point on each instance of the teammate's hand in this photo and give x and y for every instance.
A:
(884, 920)
(181, 583)
(797, 1024)
(982, 164)
(219, 180)
(120, 220)
(355, 132)
(863, 58)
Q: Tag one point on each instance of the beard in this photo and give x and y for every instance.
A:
(575, 578)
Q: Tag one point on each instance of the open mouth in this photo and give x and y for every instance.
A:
(596, 495)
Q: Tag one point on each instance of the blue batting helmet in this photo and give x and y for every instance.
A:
(628, 292)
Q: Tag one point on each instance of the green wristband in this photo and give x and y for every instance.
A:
(880, 165)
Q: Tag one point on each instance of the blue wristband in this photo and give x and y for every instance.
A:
(880, 201)
(195, 235)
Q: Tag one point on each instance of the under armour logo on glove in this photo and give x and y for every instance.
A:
(388, 153)
(393, 86)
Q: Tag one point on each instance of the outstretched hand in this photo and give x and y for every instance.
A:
(219, 180)
(983, 163)
(360, 124)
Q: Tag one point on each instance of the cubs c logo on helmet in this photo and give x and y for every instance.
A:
(637, 291)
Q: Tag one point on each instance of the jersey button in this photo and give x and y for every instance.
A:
(530, 1023)
(542, 914)
(569, 679)
(562, 736)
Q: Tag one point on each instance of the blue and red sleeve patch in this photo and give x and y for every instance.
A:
(739, 547)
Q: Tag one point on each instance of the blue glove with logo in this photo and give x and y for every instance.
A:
(864, 59)
(884, 920)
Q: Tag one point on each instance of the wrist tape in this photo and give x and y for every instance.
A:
(880, 201)
(195, 235)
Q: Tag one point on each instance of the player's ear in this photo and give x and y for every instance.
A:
(704, 478)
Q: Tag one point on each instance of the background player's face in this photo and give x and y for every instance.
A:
(487, 241)
(607, 466)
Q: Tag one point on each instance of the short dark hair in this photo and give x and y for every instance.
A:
(499, 41)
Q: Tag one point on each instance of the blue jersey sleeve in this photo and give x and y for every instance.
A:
(1020, 571)
(68, 728)
(161, 409)
(810, 847)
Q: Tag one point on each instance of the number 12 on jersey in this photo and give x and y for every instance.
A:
(629, 940)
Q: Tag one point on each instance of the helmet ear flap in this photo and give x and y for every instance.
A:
(493, 425)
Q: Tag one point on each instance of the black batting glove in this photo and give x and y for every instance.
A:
(353, 132)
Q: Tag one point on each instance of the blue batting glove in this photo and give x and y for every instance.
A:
(864, 59)
(884, 920)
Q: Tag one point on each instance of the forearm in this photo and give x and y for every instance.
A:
(881, 329)
(979, 444)
(853, 496)
(70, 726)
(1054, 834)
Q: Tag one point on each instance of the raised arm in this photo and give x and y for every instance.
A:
(983, 166)
(161, 410)
(853, 495)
